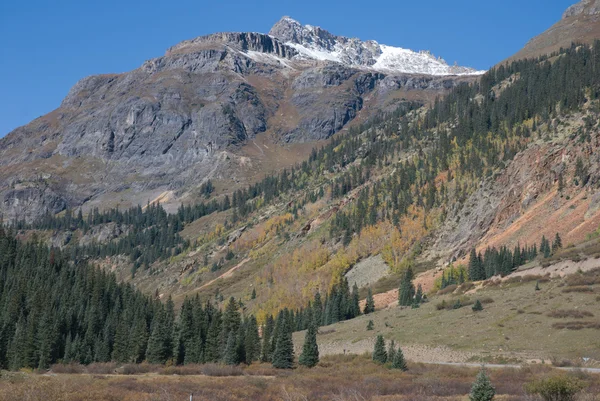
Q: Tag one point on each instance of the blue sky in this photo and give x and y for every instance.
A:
(47, 46)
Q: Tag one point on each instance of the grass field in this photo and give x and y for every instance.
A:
(349, 377)
(559, 322)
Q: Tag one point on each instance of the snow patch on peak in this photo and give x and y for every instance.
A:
(313, 42)
(397, 59)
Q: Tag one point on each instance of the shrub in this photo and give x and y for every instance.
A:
(569, 313)
(558, 388)
(101, 368)
(139, 368)
(482, 389)
(582, 279)
(576, 325)
(68, 368)
(579, 288)
(448, 290)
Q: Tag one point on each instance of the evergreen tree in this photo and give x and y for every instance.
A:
(477, 306)
(212, 349)
(159, 350)
(419, 294)
(310, 349)
(476, 269)
(370, 303)
(267, 339)
(406, 292)
(318, 309)
(370, 325)
(230, 355)
(482, 389)
(252, 340)
(283, 356)
(557, 244)
(399, 362)
(354, 305)
(379, 353)
(391, 351)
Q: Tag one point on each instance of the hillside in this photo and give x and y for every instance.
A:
(319, 190)
(414, 187)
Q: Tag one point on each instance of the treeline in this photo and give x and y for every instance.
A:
(503, 261)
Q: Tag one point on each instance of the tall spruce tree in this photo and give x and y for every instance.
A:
(379, 352)
(267, 339)
(370, 303)
(318, 309)
(399, 362)
(252, 340)
(406, 292)
(310, 349)
(230, 355)
(283, 356)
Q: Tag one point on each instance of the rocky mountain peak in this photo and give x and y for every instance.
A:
(289, 30)
(313, 42)
(584, 7)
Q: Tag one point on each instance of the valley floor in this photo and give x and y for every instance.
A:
(338, 378)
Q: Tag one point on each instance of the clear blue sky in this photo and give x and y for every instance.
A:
(47, 46)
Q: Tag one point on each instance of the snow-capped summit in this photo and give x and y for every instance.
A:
(313, 42)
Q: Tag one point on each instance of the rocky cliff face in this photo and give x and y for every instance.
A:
(172, 123)
(584, 7)
(313, 42)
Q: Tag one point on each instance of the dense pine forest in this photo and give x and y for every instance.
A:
(53, 310)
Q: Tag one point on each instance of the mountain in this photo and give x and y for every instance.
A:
(488, 196)
(315, 43)
(228, 107)
(580, 23)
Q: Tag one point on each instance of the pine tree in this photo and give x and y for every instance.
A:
(253, 296)
(477, 306)
(252, 339)
(406, 292)
(310, 349)
(354, 306)
(283, 356)
(482, 389)
(537, 285)
(230, 356)
(399, 362)
(318, 309)
(557, 244)
(370, 325)
(379, 353)
(419, 294)
(370, 303)
(121, 346)
(391, 351)
(212, 348)
(267, 339)
(476, 270)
